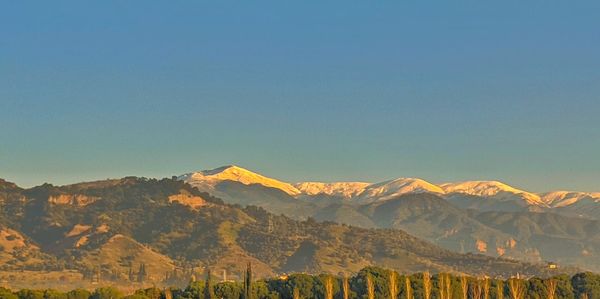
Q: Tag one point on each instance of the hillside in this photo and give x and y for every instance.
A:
(112, 227)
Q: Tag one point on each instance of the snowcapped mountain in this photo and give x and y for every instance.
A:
(492, 189)
(481, 195)
(207, 180)
(394, 188)
(344, 190)
(487, 217)
(559, 199)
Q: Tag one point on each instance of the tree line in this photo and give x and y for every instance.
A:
(368, 283)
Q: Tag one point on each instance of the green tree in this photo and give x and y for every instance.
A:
(586, 283)
(106, 293)
(564, 288)
(54, 294)
(380, 279)
(248, 294)
(209, 292)
(78, 294)
(228, 290)
(194, 290)
(304, 283)
(30, 294)
(260, 290)
(151, 293)
(7, 294)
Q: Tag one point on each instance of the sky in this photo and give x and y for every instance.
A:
(302, 90)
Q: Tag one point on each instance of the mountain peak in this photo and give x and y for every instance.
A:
(237, 174)
(567, 198)
(479, 187)
(491, 189)
(6, 185)
(396, 187)
(227, 169)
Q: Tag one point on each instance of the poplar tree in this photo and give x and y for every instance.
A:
(426, 285)
(248, 281)
(208, 288)
(346, 287)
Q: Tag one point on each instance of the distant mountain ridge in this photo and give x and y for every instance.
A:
(371, 192)
(487, 217)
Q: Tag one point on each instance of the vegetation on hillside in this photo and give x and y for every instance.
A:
(113, 230)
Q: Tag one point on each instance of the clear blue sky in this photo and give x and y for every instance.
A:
(304, 90)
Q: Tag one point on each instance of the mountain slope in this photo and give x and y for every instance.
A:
(207, 180)
(345, 190)
(394, 188)
(133, 220)
(494, 190)
(434, 219)
(555, 237)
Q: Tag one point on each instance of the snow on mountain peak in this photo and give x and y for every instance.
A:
(491, 189)
(237, 174)
(559, 199)
(206, 180)
(341, 189)
(392, 188)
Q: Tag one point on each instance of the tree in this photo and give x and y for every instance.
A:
(306, 286)
(464, 284)
(209, 292)
(141, 275)
(7, 294)
(564, 288)
(550, 288)
(499, 289)
(586, 283)
(260, 289)
(448, 287)
(441, 284)
(516, 288)
(78, 294)
(409, 291)
(393, 285)
(30, 294)
(194, 290)
(486, 287)
(476, 289)
(426, 285)
(106, 293)
(248, 282)
(329, 287)
(370, 286)
(151, 293)
(54, 294)
(228, 289)
(346, 287)
(130, 274)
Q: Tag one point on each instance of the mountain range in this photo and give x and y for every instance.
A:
(568, 202)
(107, 229)
(487, 217)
